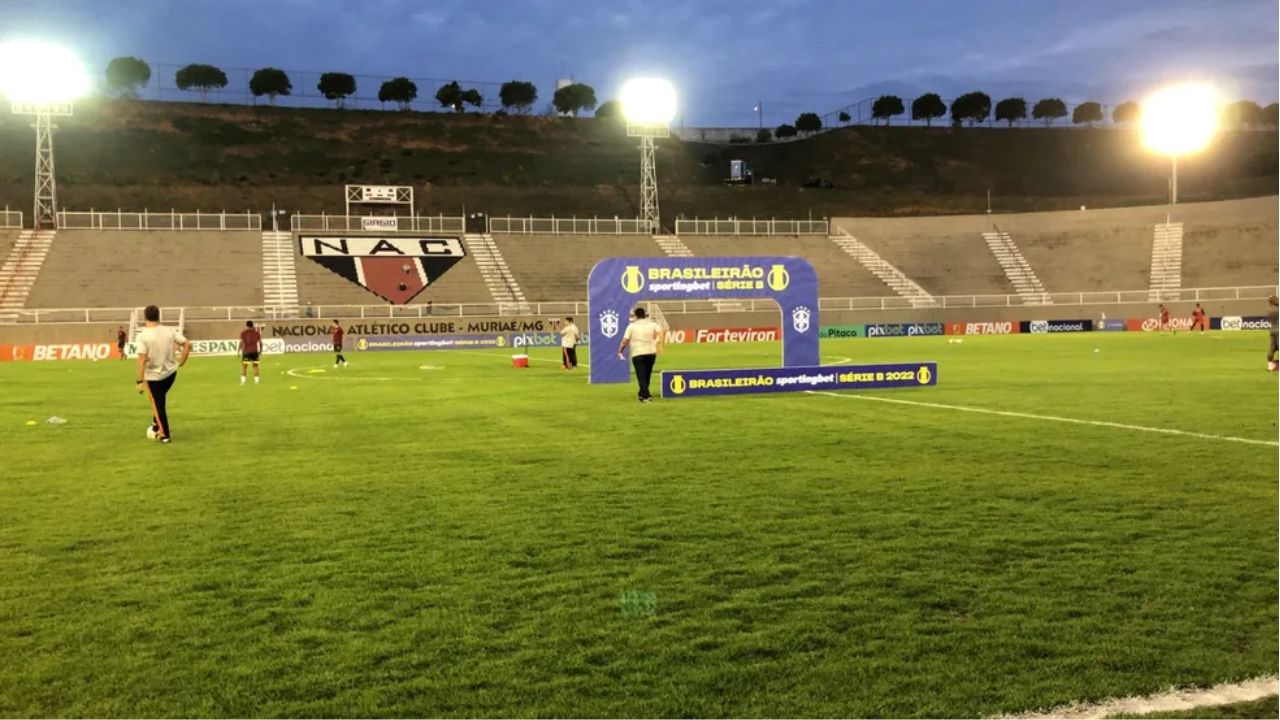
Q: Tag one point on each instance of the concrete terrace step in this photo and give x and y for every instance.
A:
(890, 275)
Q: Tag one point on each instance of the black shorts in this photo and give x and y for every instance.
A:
(249, 357)
(337, 347)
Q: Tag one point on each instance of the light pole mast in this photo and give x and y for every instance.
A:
(649, 184)
(45, 209)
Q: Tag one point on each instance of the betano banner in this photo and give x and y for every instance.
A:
(616, 285)
(701, 383)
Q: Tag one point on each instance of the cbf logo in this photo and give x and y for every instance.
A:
(779, 278)
(632, 280)
(678, 385)
(609, 323)
(799, 317)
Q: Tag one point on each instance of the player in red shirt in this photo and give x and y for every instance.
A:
(1199, 319)
(250, 351)
(337, 344)
(120, 340)
(1164, 320)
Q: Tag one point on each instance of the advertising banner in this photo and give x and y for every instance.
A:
(616, 285)
(905, 329)
(1039, 327)
(841, 331)
(1111, 325)
(701, 383)
(1153, 324)
(431, 342)
(1236, 322)
(59, 351)
(1000, 327)
(208, 348)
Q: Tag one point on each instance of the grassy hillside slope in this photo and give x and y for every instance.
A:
(159, 155)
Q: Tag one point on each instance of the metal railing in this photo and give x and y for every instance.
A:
(10, 219)
(146, 220)
(367, 223)
(579, 307)
(734, 226)
(568, 226)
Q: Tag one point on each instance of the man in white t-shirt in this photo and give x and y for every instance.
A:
(158, 365)
(569, 335)
(645, 338)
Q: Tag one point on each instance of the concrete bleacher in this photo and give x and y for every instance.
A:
(555, 267)
(87, 268)
(317, 285)
(944, 255)
(839, 274)
(1231, 243)
(7, 238)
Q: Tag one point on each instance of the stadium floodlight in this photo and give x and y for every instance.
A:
(1179, 120)
(649, 105)
(42, 79)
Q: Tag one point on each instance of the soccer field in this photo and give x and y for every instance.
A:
(442, 534)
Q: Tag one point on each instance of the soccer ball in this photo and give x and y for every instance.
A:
(151, 432)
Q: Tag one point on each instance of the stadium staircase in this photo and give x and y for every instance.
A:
(495, 273)
(20, 270)
(672, 246)
(1016, 268)
(1166, 262)
(883, 269)
(279, 272)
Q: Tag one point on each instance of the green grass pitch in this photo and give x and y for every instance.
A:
(393, 540)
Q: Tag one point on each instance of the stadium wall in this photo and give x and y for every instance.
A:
(316, 330)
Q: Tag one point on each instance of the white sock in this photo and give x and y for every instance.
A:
(256, 379)
(241, 379)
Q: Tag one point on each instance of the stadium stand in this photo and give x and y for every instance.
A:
(945, 256)
(7, 238)
(839, 275)
(555, 267)
(1230, 243)
(89, 268)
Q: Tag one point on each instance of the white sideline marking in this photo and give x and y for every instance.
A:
(837, 360)
(1051, 418)
(308, 376)
(1171, 701)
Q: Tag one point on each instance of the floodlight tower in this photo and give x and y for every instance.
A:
(1179, 120)
(42, 80)
(648, 105)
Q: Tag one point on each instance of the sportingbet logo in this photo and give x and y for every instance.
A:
(393, 268)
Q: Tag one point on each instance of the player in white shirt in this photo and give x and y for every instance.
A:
(158, 364)
(645, 338)
(569, 335)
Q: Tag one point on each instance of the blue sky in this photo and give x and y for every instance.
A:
(723, 55)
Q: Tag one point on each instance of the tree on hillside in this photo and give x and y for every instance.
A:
(808, 123)
(1049, 109)
(271, 82)
(764, 135)
(200, 77)
(1011, 110)
(785, 131)
(609, 110)
(400, 91)
(337, 87)
(844, 117)
(1243, 113)
(887, 106)
(1087, 112)
(518, 96)
(973, 106)
(928, 108)
(1271, 115)
(573, 99)
(454, 97)
(125, 75)
(1125, 112)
